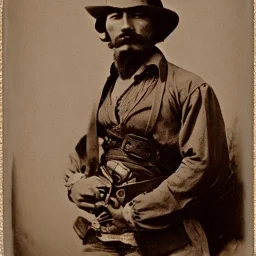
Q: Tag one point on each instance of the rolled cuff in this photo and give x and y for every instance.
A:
(127, 214)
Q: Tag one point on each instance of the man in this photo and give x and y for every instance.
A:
(163, 159)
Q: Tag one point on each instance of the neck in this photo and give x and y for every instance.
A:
(128, 62)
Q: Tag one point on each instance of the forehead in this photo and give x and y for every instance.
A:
(128, 11)
(126, 3)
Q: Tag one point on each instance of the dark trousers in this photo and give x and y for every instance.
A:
(94, 247)
(198, 245)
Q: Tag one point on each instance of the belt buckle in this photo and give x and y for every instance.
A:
(113, 138)
(140, 148)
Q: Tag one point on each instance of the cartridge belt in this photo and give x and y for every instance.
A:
(136, 147)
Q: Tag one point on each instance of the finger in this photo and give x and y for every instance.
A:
(66, 177)
(68, 173)
(101, 141)
(88, 191)
(85, 206)
(74, 178)
(110, 208)
(88, 201)
(75, 161)
(74, 167)
(76, 198)
(87, 198)
(114, 203)
(116, 213)
(74, 158)
(100, 194)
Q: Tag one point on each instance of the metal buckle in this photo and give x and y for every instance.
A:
(140, 148)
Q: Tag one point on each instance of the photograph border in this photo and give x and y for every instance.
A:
(1, 130)
(254, 128)
(1, 134)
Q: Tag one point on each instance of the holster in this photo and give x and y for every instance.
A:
(141, 156)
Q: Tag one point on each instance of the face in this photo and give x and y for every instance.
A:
(129, 30)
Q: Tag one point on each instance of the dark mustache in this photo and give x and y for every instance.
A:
(130, 37)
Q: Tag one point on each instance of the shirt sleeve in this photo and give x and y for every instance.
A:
(203, 146)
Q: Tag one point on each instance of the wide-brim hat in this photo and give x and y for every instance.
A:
(164, 20)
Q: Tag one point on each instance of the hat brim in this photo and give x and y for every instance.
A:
(164, 20)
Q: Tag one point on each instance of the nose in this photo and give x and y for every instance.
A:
(126, 23)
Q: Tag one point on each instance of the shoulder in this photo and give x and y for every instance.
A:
(182, 79)
(182, 83)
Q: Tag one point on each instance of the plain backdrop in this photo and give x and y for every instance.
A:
(54, 63)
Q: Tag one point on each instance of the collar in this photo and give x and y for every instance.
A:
(157, 60)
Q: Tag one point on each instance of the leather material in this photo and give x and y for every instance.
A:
(134, 189)
(140, 148)
(81, 227)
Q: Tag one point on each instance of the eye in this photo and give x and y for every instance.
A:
(138, 15)
(115, 15)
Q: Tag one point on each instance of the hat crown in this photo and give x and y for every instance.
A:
(164, 19)
(133, 3)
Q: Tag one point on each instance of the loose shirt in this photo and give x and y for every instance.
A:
(190, 132)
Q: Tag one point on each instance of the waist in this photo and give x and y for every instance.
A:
(143, 151)
(136, 147)
(142, 169)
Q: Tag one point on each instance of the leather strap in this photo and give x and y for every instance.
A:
(157, 101)
(92, 145)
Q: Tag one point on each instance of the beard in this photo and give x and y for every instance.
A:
(128, 61)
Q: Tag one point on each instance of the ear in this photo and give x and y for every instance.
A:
(104, 37)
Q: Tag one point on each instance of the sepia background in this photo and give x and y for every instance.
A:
(54, 64)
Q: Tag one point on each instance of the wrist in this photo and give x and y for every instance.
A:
(127, 214)
(71, 182)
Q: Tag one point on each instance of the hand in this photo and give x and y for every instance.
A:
(74, 167)
(77, 165)
(119, 223)
(85, 192)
